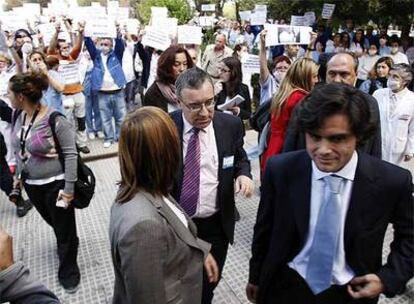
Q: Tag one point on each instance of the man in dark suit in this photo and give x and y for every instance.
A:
(213, 167)
(324, 212)
(341, 68)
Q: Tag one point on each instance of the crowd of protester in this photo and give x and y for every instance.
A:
(174, 214)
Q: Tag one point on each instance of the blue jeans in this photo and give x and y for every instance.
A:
(112, 106)
(93, 116)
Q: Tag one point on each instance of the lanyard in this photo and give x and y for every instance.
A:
(23, 135)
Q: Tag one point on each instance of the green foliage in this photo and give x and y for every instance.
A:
(177, 8)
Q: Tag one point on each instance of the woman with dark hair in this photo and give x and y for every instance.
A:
(50, 187)
(358, 43)
(345, 42)
(231, 80)
(38, 62)
(378, 76)
(172, 62)
(156, 254)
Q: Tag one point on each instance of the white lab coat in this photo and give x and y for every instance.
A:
(397, 131)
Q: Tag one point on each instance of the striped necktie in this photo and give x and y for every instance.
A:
(190, 190)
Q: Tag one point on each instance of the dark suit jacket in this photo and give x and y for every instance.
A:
(295, 140)
(229, 133)
(381, 194)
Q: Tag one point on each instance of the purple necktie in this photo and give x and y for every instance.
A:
(190, 191)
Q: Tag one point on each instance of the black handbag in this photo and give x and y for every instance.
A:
(85, 184)
(261, 117)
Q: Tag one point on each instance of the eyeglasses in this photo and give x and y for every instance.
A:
(195, 108)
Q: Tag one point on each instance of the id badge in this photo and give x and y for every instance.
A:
(228, 162)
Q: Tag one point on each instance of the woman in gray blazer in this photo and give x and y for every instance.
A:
(156, 254)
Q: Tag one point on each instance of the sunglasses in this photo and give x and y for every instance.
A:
(21, 36)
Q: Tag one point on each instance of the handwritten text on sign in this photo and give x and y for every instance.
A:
(69, 73)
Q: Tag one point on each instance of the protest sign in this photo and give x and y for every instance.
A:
(100, 26)
(132, 26)
(258, 18)
(260, 8)
(167, 25)
(69, 72)
(112, 4)
(12, 21)
(47, 30)
(245, 15)
(310, 18)
(119, 13)
(208, 7)
(297, 20)
(158, 13)
(32, 8)
(206, 21)
(251, 64)
(188, 34)
(156, 38)
(285, 34)
(394, 32)
(327, 10)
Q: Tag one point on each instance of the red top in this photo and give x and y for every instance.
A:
(278, 126)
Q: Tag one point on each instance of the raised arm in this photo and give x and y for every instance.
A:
(264, 70)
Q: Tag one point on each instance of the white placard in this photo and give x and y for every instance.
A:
(327, 10)
(159, 12)
(112, 4)
(286, 34)
(260, 8)
(119, 13)
(206, 21)
(47, 30)
(34, 8)
(168, 25)
(64, 35)
(132, 26)
(245, 15)
(156, 38)
(258, 18)
(297, 20)
(13, 21)
(188, 34)
(208, 7)
(95, 4)
(310, 18)
(69, 73)
(57, 9)
(251, 65)
(100, 27)
(394, 32)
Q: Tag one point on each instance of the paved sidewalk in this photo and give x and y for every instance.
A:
(35, 243)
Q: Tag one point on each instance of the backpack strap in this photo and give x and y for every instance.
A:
(52, 124)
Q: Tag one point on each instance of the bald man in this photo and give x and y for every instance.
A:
(213, 54)
(341, 68)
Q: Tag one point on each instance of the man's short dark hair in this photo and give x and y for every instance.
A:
(336, 98)
(192, 79)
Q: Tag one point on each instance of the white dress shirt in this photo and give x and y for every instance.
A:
(208, 168)
(341, 273)
(177, 211)
(108, 83)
